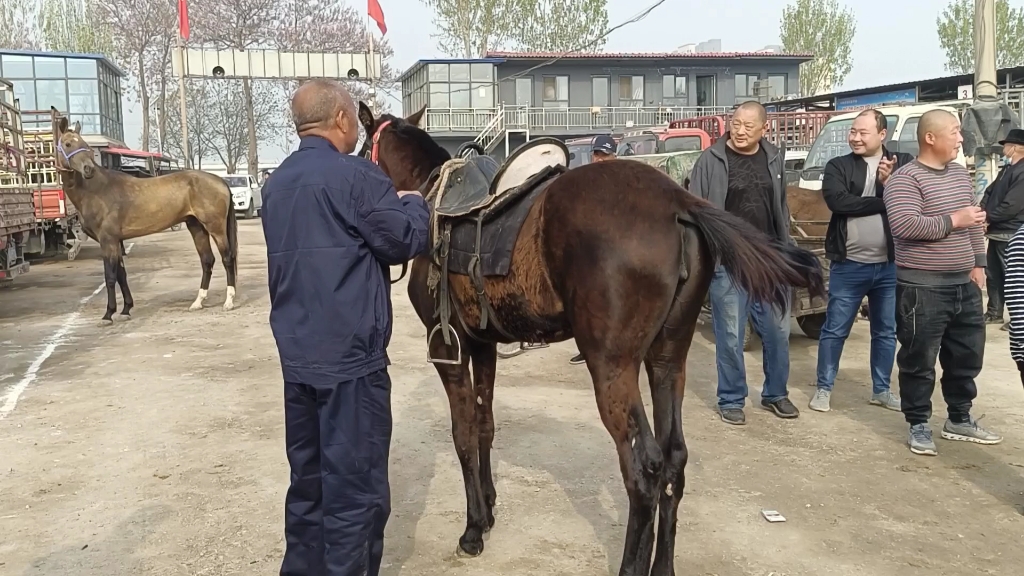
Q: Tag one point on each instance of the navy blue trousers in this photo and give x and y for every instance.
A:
(338, 438)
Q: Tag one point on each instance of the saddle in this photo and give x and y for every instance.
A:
(478, 209)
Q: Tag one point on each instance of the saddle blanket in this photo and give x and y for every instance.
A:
(497, 238)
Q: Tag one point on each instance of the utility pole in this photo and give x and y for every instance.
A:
(181, 93)
(985, 88)
(373, 85)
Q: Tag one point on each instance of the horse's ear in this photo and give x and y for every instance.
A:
(416, 117)
(366, 118)
(62, 125)
(78, 127)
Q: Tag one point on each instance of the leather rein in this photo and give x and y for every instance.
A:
(375, 158)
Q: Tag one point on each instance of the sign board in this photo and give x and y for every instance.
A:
(965, 92)
(864, 101)
(276, 65)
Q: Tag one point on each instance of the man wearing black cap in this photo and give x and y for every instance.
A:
(602, 149)
(1004, 204)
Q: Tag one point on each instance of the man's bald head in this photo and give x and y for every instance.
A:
(934, 121)
(756, 107)
(317, 104)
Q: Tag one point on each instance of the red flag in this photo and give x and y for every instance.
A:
(377, 15)
(183, 18)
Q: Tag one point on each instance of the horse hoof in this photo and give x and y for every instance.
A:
(126, 316)
(228, 306)
(469, 550)
(107, 322)
(195, 306)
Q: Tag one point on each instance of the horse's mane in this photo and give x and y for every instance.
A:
(435, 153)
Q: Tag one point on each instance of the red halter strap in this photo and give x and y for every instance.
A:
(375, 149)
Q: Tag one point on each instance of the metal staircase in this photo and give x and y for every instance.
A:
(494, 132)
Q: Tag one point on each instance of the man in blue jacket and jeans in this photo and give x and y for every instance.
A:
(742, 173)
(334, 224)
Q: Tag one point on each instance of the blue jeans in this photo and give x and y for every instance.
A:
(730, 309)
(848, 284)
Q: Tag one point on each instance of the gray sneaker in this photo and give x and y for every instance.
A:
(970, 432)
(886, 400)
(921, 440)
(821, 401)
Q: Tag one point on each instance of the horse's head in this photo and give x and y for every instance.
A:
(403, 150)
(72, 152)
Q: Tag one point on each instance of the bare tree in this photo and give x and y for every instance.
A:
(823, 28)
(197, 102)
(158, 63)
(334, 26)
(16, 25)
(469, 28)
(139, 25)
(74, 26)
(227, 131)
(563, 25)
(240, 24)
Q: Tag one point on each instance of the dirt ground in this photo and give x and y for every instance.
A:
(155, 447)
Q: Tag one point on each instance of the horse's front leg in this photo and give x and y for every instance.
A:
(111, 262)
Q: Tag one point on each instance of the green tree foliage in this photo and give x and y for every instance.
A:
(16, 29)
(825, 29)
(471, 28)
(74, 26)
(955, 27)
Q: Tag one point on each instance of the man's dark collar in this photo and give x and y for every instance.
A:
(314, 141)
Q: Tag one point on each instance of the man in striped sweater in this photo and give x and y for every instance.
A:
(940, 269)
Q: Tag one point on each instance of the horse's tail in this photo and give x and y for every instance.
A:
(232, 235)
(763, 268)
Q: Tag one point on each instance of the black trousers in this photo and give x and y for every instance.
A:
(338, 439)
(944, 322)
(995, 276)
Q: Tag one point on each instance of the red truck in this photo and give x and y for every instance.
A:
(663, 140)
(792, 130)
(16, 215)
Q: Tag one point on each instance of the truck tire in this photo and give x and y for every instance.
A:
(250, 211)
(812, 324)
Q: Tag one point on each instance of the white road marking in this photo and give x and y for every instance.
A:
(10, 400)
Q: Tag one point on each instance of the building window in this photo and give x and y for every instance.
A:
(482, 96)
(16, 66)
(601, 91)
(50, 68)
(25, 92)
(52, 93)
(459, 94)
(524, 91)
(745, 87)
(631, 91)
(79, 68)
(556, 91)
(83, 97)
(459, 86)
(437, 72)
(673, 89)
(438, 95)
(776, 86)
(482, 73)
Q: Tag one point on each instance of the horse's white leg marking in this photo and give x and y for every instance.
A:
(229, 301)
(198, 304)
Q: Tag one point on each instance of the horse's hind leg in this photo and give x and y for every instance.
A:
(111, 258)
(485, 360)
(202, 241)
(126, 293)
(462, 399)
(666, 373)
(228, 260)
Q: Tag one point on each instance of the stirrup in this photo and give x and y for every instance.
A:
(458, 349)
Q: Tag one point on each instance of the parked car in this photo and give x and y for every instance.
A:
(246, 194)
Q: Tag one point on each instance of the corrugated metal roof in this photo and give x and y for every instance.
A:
(65, 55)
(646, 55)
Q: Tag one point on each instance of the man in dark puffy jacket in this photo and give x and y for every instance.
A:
(1004, 204)
(742, 174)
(859, 245)
(333, 224)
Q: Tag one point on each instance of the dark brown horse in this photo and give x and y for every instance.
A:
(618, 256)
(115, 207)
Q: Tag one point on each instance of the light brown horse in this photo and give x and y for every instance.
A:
(619, 256)
(115, 207)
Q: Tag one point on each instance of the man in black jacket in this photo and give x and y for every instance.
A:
(859, 245)
(1004, 204)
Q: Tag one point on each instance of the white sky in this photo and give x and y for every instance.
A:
(895, 42)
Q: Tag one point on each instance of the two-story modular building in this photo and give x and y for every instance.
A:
(508, 97)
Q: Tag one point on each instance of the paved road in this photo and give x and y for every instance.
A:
(156, 447)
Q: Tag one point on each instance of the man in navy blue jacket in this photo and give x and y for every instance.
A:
(334, 224)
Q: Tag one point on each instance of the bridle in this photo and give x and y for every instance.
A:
(67, 157)
(375, 146)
